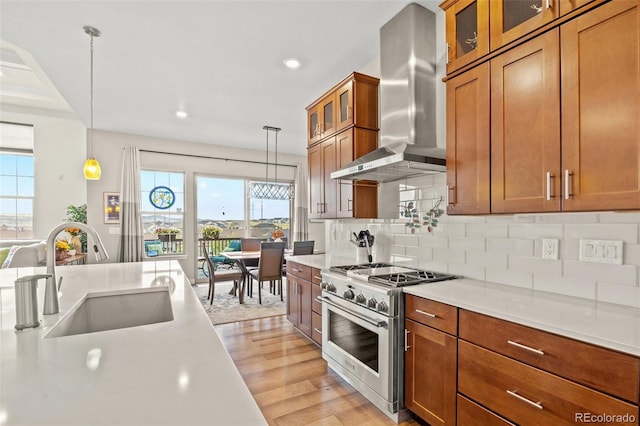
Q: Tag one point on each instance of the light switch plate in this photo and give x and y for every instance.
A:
(550, 248)
(601, 251)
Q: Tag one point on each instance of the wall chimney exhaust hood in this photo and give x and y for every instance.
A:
(407, 103)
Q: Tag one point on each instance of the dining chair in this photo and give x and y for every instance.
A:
(303, 247)
(250, 244)
(269, 267)
(231, 274)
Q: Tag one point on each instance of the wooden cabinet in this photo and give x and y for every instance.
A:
(299, 296)
(564, 119)
(430, 360)
(529, 376)
(467, 32)
(351, 133)
(316, 306)
(322, 189)
(600, 53)
(512, 19)
(525, 127)
(468, 142)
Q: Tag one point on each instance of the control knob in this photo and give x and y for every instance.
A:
(372, 303)
(360, 298)
(331, 287)
(349, 294)
(323, 285)
(382, 307)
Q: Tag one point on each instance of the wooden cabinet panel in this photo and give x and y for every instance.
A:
(525, 127)
(468, 142)
(430, 374)
(467, 33)
(304, 293)
(299, 270)
(526, 395)
(434, 314)
(596, 367)
(316, 292)
(512, 19)
(316, 324)
(293, 303)
(316, 182)
(567, 6)
(322, 189)
(316, 276)
(471, 414)
(601, 108)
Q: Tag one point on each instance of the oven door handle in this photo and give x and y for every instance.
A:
(360, 316)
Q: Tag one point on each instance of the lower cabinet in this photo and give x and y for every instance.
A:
(496, 372)
(430, 361)
(301, 306)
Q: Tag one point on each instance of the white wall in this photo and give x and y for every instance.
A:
(108, 147)
(502, 248)
(60, 152)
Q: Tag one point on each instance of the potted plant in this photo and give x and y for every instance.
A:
(167, 234)
(62, 248)
(74, 242)
(211, 232)
(78, 214)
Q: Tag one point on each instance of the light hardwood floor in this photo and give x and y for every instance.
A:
(289, 379)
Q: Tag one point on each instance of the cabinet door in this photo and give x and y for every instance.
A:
(468, 144)
(293, 305)
(601, 108)
(304, 297)
(567, 6)
(314, 126)
(467, 32)
(525, 127)
(511, 19)
(328, 115)
(344, 147)
(329, 160)
(430, 374)
(316, 183)
(344, 101)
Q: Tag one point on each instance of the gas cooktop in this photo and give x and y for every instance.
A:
(390, 275)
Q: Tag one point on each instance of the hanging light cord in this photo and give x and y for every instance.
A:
(276, 130)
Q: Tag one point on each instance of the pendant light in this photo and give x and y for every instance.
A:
(92, 170)
(273, 190)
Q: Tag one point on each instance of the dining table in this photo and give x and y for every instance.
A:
(241, 258)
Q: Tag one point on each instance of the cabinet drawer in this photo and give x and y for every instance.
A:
(472, 414)
(299, 270)
(596, 367)
(316, 327)
(529, 396)
(316, 276)
(434, 314)
(315, 293)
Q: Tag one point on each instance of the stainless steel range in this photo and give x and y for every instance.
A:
(363, 322)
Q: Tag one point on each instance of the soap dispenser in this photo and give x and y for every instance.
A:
(27, 301)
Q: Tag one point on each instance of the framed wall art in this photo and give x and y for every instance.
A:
(111, 204)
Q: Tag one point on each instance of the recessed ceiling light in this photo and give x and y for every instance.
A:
(181, 114)
(292, 63)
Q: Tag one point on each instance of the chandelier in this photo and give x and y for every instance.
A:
(271, 190)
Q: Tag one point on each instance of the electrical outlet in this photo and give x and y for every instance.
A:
(550, 248)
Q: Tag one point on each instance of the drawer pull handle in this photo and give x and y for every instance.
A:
(523, 399)
(406, 340)
(526, 348)
(317, 330)
(296, 270)
(426, 313)
(317, 277)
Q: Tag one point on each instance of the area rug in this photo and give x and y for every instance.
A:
(226, 309)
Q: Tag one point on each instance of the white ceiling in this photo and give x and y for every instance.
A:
(221, 61)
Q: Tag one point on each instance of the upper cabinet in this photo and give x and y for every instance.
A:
(342, 126)
(467, 31)
(564, 118)
(511, 19)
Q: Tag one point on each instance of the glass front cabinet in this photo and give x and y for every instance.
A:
(467, 31)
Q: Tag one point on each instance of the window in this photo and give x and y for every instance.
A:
(16, 181)
(162, 199)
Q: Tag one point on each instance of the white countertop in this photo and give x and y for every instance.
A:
(171, 373)
(321, 261)
(605, 324)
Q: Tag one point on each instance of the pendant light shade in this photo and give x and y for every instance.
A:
(92, 170)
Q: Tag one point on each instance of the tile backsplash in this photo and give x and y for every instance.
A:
(505, 249)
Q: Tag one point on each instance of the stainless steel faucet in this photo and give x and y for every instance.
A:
(51, 304)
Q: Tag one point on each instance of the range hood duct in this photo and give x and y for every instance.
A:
(407, 102)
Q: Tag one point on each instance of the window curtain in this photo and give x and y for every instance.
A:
(300, 208)
(131, 237)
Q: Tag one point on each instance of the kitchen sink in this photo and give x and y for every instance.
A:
(113, 310)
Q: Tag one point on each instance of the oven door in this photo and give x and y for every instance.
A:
(357, 341)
